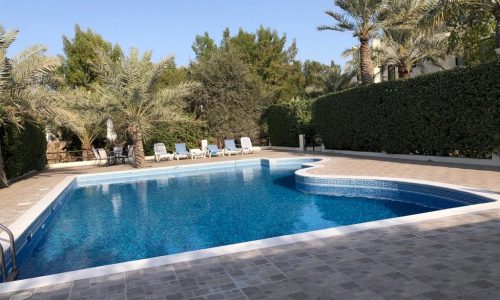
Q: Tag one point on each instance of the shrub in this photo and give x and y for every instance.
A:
(23, 150)
(451, 113)
(287, 120)
(190, 133)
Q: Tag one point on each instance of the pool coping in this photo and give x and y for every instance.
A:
(25, 220)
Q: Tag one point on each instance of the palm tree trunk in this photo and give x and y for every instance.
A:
(87, 151)
(366, 61)
(3, 176)
(136, 136)
(496, 14)
(404, 73)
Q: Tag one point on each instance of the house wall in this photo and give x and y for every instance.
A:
(381, 72)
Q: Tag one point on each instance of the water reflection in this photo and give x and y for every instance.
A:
(248, 174)
(116, 200)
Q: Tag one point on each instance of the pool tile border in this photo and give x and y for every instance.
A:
(38, 213)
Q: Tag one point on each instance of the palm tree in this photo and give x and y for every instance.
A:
(363, 18)
(23, 86)
(408, 49)
(86, 124)
(128, 95)
(406, 46)
(436, 12)
(322, 79)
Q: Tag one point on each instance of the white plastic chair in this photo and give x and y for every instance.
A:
(130, 153)
(160, 152)
(230, 147)
(204, 146)
(181, 151)
(214, 150)
(104, 156)
(247, 146)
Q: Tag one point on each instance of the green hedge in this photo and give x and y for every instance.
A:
(450, 113)
(190, 133)
(23, 150)
(287, 120)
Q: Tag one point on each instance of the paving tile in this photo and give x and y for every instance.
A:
(275, 290)
(227, 295)
(394, 285)
(249, 274)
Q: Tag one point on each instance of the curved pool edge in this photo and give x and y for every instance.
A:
(30, 215)
(307, 167)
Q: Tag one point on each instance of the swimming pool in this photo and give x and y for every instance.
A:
(105, 219)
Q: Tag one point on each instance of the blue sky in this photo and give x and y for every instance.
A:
(169, 27)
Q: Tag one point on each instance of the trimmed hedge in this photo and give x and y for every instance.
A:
(23, 150)
(287, 120)
(450, 113)
(190, 133)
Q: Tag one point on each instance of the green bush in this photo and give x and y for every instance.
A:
(23, 150)
(450, 113)
(287, 120)
(190, 133)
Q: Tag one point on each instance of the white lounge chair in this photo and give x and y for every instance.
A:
(161, 152)
(230, 148)
(104, 156)
(214, 150)
(197, 152)
(246, 144)
(182, 152)
(204, 146)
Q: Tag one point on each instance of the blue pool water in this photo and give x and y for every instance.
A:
(101, 224)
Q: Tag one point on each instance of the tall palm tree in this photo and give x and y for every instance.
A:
(129, 95)
(23, 86)
(435, 12)
(363, 18)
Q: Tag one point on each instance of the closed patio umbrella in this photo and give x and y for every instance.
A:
(110, 132)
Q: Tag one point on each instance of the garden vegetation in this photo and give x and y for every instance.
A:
(451, 113)
(226, 90)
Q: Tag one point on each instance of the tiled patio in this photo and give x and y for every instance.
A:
(449, 258)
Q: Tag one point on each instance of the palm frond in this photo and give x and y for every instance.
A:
(23, 82)
(31, 66)
(329, 27)
(343, 21)
(7, 37)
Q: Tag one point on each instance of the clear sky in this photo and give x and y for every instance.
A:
(169, 27)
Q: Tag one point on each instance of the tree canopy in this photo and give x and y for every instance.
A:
(231, 98)
(80, 53)
(266, 53)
